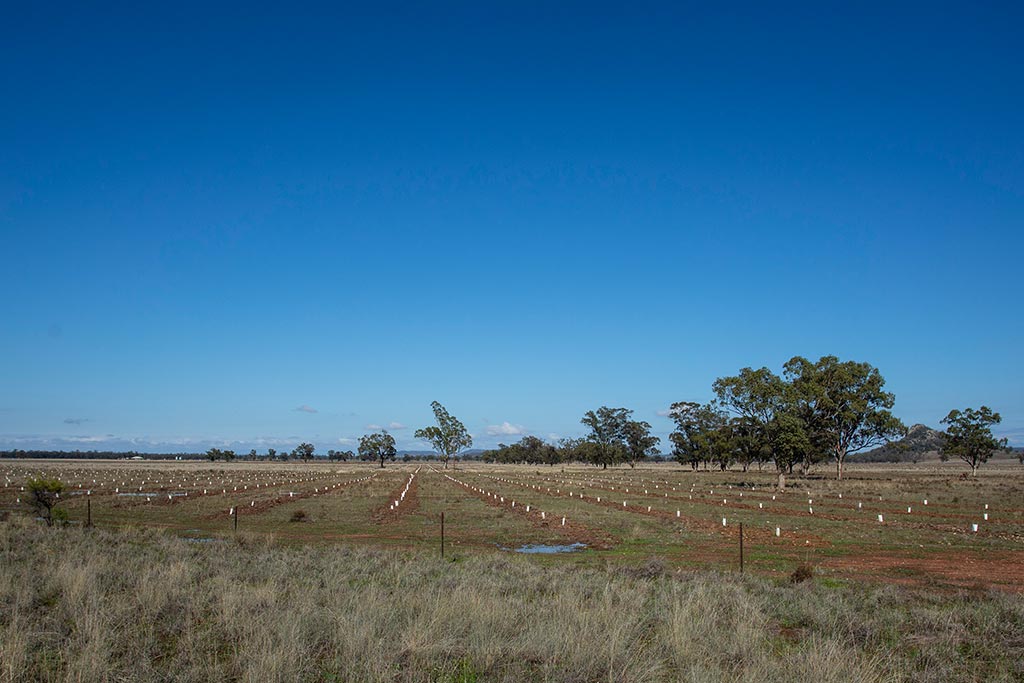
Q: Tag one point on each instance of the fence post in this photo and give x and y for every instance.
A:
(235, 509)
(88, 511)
(442, 535)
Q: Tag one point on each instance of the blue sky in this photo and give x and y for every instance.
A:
(253, 225)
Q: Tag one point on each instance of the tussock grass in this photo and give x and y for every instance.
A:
(139, 605)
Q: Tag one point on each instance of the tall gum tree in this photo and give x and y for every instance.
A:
(693, 439)
(765, 401)
(969, 436)
(607, 434)
(843, 404)
(640, 443)
(448, 436)
(378, 446)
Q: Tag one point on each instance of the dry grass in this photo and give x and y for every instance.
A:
(88, 605)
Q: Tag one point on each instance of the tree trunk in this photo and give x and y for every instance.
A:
(839, 469)
(782, 481)
(974, 469)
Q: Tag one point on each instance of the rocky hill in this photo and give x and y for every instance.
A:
(921, 443)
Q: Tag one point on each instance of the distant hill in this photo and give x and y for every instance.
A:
(921, 443)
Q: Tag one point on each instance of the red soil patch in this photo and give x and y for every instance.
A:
(386, 515)
(994, 569)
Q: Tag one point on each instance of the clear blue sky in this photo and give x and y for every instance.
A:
(259, 224)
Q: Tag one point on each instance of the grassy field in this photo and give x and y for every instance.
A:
(327, 579)
(670, 513)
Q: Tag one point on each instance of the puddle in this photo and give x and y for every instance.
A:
(551, 549)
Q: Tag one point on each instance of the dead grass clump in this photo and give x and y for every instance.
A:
(802, 573)
(299, 516)
(652, 569)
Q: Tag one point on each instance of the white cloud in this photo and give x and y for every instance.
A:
(373, 426)
(88, 439)
(306, 409)
(505, 429)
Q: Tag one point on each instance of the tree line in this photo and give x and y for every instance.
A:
(812, 413)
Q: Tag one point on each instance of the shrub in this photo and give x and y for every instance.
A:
(298, 516)
(45, 494)
(802, 573)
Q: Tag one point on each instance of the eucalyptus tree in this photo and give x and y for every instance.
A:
(748, 442)
(640, 443)
(217, 454)
(844, 406)
(694, 436)
(572, 450)
(378, 446)
(765, 401)
(304, 451)
(607, 435)
(969, 436)
(536, 451)
(448, 437)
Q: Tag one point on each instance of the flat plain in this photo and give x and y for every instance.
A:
(908, 524)
(334, 574)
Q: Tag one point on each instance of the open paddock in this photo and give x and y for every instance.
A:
(911, 524)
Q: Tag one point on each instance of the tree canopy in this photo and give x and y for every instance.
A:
(607, 434)
(378, 446)
(304, 451)
(640, 443)
(843, 405)
(448, 437)
(969, 436)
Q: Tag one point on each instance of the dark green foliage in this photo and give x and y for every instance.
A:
(379, 446)
(530, 450)
(218, 454)
(969, 436)
(640, 444)
(448, 436)
(822, 409)
(45, 494)
(607, 435)
(304, 451)
(843, 405)
(696, 436)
